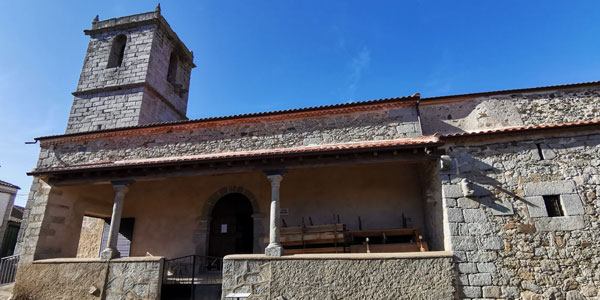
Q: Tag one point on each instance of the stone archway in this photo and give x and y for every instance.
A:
(201, 235)
(212, 200)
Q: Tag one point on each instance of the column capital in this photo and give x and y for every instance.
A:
(121, 185)
(276, 178)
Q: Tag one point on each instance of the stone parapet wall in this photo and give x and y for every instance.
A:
(505, 244)
(246, 134)
(454, 115)
(93, 279)
(427, 275)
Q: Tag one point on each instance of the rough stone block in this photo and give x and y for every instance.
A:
(491, 291)
(510, 292)
(504, 208)
(455, 215)
(452, 191)
(464, 243)
(467, 203)
(536, 207)
(471, 291)
(571, 204)
(549, 188)
(486, 267)
(475, 215)
(480, 279)
(560, 223)
(492, 243)
(467, 268)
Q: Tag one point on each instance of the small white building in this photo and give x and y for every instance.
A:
(8, 192)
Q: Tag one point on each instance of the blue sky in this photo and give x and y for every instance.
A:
(268, 55)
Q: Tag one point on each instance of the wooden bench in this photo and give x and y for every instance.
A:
(313, 239)
(380, 240)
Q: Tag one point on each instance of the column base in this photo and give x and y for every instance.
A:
(109, 253)
(274, 250)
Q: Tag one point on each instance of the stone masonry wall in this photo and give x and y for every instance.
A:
(393, 123)
(106, 110)
(90, 279)
(33, 216)
(162, 47)
(154, 110)
(145, 61)
(512, 110)
(343, 277)
(505, 244)
(90, 238)
(94, 73)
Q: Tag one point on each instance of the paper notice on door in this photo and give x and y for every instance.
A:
(223, 228)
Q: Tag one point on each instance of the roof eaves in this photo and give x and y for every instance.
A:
(509, 130)
(10, 185)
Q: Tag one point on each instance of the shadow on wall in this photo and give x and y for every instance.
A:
(470, 115)
(484, 189)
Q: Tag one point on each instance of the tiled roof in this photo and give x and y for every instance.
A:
(4, 183)
(407, 99)
(521, 129)
(400, 143)
(249, 115)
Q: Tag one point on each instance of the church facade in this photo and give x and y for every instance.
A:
(488, 195)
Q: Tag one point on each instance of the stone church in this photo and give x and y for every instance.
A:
(490, 195)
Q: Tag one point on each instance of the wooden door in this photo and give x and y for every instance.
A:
(231, 226)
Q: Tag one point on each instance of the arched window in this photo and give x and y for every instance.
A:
(117, 51)
(172, 73)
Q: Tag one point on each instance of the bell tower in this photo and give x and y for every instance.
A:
(136, 71)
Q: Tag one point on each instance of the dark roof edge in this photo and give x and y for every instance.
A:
(528, 129)
(242, 116)
(514, 91)
(10, 185)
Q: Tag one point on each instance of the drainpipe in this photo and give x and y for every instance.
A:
(419, 112)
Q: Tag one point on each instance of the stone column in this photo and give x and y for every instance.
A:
(274, 248)
(115, 221)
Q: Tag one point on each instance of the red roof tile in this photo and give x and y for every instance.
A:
(521, 129)
(406, 99)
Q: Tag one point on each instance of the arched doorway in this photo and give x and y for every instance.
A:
(231, 226)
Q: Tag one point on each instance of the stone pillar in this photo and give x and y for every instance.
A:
(274, 248)
(115, 221)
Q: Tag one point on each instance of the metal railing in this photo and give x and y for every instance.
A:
(193, 269)
(8, 269)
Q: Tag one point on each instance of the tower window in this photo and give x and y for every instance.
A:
(173, 64)
(117, 51)
(553, 206)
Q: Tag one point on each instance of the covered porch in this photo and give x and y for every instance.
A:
(327, 202)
